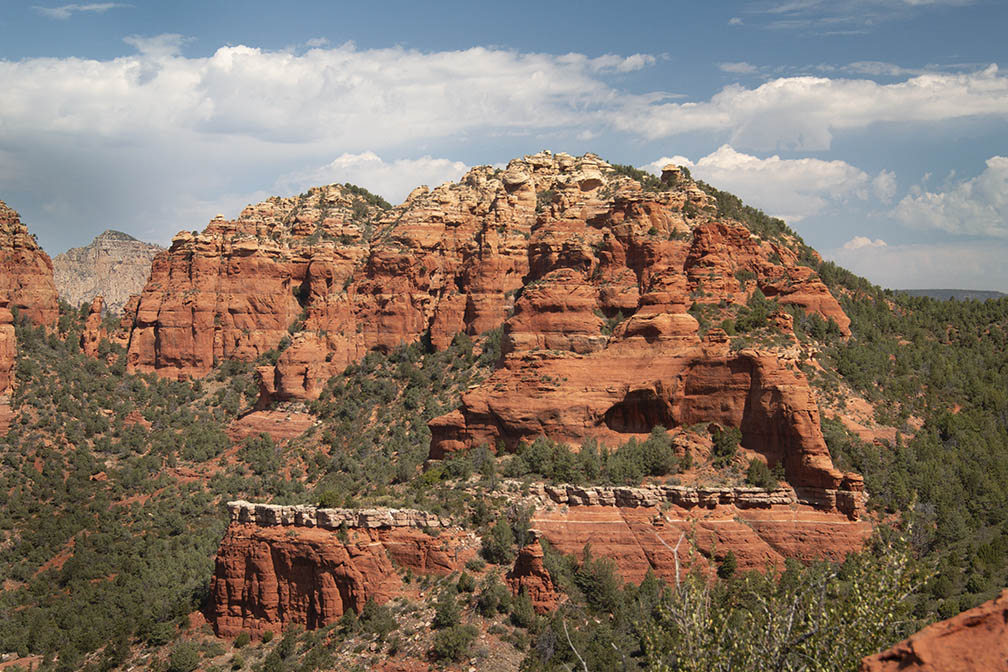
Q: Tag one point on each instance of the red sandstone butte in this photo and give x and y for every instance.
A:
(267, 578)
(347, 277)
(974, 641)
(530, 576)
(93, 332)
(26, 272)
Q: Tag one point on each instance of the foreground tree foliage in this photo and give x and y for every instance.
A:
(822, 617)
(816, 618)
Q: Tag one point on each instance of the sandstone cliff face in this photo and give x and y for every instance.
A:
(578, 243)
(93, 332)
(26, 272)
(355, 277)
(265, 579)
(974, 641)
(638, 528)
(114, 265)
(8, 347)
(26, 285)
(280, 565)
(642, 538)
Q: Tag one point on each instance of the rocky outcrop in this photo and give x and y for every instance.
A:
(26, 272)
(265, 579)
(8, 347)
(266, 515)
(93, 332)
(706, 497)
(280, 565)
(638, 527)
(631, 387)
(279, 425)
(354, 277)
(974, 641)
(642, 538)
(114, 265)
(530, 576)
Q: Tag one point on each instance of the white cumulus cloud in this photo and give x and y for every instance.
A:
(788, 188)
(929, 266)
(861, 242)
(884, 186)
(803, 113)
(391, 179)
(975, 206)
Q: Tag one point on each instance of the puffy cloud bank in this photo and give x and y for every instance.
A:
(791, 189)
(977, 206)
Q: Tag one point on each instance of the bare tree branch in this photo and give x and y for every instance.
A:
(583, 663)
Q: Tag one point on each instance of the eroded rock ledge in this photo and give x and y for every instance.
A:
(302, 515)
(848, 502)
(283, 565)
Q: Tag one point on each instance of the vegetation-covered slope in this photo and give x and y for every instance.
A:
(115, 485)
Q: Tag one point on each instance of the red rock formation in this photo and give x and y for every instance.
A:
(266, 578)
(8, 350)
(446, 260)
(579, 244)
(529, 575)
(639, 539)
(122, 333)
(26, 285)
(272, 574)
(93, 332)
(974, 641)
(134, 417)
(279, 425)
(301, 370)
(634, 385)
(26, 272)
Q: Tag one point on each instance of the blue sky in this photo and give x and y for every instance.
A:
(877, 128)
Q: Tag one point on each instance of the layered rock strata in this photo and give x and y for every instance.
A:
(301, 515)
(26, 272)
(708, 497)
(638, 527)
(280, 565)
(26, 287)
(642, 538)
(973, 641)
(348, 277)
(114, 265)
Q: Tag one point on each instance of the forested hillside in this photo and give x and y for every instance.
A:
(116, 482)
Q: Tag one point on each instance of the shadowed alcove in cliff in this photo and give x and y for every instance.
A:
(640, 411)
(727, 392)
